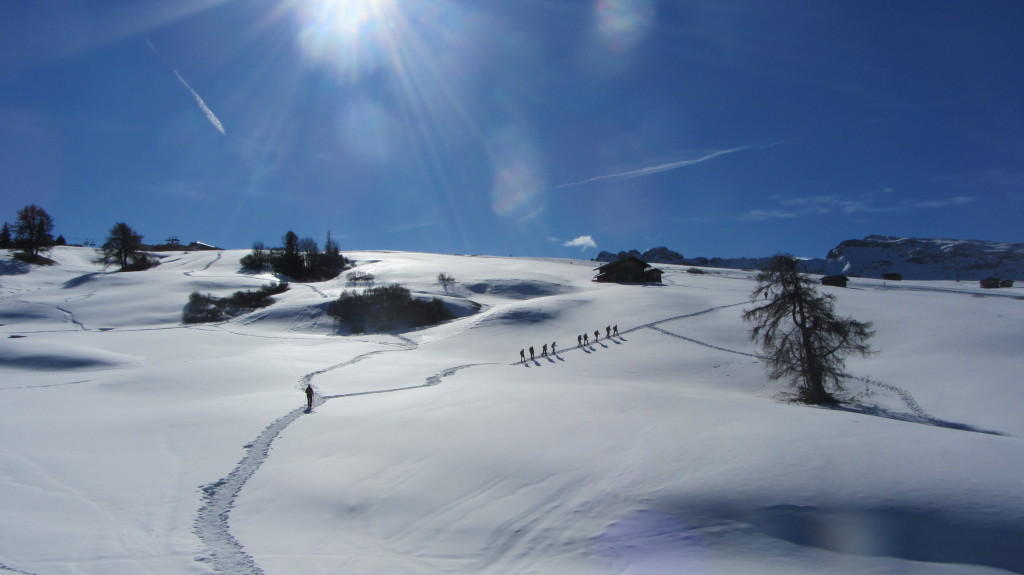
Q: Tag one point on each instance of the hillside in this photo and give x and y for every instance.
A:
(873, 256)
(135, 444)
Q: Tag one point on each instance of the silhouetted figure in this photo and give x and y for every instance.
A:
(607, 332)
(522, 356)
(309, 397)
(531, 353)
(597, 335)
(544, 351)
(615, 330)
(553, 352)
(586, 339)
(579, 341)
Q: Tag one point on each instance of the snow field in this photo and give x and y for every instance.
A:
(662, 451)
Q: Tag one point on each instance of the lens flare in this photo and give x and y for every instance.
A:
(622, 24)
(648, 541)
(517, 191)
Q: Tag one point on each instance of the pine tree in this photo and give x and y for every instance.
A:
(124, 248)
(801, 336)
(289, 263)
(5, 236)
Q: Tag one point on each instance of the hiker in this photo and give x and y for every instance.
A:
(544, 351)
(309, 397)
(597, 335)
(531, 353)
(579, 341)
(607, 332)
(586, 339)
(615, 330)
(522, 356)
(553, 352)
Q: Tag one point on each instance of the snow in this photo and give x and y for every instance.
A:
(135, 444)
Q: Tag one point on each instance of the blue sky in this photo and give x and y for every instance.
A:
(529, 127)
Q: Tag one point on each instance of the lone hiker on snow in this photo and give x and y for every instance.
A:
(309, 397)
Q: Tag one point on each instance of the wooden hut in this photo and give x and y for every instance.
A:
(990, 283)
(836, 280)
(628, 270)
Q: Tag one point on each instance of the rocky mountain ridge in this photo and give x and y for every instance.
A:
(873, 256)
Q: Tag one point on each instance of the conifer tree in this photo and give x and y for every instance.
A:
(802, 338)
(124, 248)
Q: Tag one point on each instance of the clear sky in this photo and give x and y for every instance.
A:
(525, 127)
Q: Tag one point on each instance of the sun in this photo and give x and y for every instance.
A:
(352, 36)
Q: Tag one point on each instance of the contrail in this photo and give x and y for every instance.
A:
(670, 166)
(199, 100)
(202, 105)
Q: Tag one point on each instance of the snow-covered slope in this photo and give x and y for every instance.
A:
(873, 256)
(134, 444)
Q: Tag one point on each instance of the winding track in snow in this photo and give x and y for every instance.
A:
(222, 550)
(921, 416)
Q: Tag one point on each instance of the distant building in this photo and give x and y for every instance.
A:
(992, 283)
(628, 270)
(200, 246)
(836, 280)
(894, 277)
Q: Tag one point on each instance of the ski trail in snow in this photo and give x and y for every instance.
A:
(13, 570)
(317, 291)
(207, 266)
(221, 549)
(905, 396)
(705, 344)
(71, 317)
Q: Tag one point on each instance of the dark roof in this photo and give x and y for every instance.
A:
(616, 263)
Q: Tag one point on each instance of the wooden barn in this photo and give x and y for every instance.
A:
(836, 280)
(992, 283)
(628, 270)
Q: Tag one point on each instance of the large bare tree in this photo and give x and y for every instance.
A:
(32, 230)
(802, 338)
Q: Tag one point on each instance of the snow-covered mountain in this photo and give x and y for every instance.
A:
(133, 443)
(873, 256)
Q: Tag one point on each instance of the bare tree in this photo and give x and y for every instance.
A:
(446, 280)
(801, 336)
(258, 258)
(32, 230)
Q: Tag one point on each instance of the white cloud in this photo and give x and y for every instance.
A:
(954, 201)
(762, 215)
(582, 242)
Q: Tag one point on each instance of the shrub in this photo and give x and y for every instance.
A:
(359, 276)
(205, 308)
(386, 308)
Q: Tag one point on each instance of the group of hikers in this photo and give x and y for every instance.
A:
(581, 341)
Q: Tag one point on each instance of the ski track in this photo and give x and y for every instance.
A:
(317, 291)
(71, 317)
(13, 570)
(905, 396)
(222, 550)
